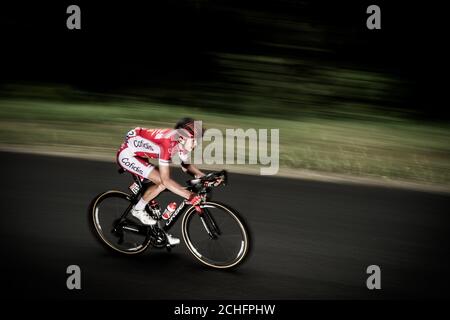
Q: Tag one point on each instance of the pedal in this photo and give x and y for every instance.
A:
(134, 220)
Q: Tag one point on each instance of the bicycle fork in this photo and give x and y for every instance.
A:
(209, 224)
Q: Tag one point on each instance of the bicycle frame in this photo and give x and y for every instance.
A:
(135, 196)
(208, 223)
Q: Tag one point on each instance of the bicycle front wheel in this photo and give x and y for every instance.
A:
(218, 237)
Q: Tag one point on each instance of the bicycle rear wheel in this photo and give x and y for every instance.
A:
(110, 226)
(218, 237)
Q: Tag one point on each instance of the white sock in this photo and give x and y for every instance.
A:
(141, 204)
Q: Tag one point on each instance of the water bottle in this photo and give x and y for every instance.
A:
(169, 210)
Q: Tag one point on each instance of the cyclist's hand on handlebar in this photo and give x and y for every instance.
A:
(215, 178)
(212, 179)
(195, 200)
(218, 181)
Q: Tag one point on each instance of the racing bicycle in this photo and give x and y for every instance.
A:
(214, 233)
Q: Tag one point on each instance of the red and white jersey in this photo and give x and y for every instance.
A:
(159, 144)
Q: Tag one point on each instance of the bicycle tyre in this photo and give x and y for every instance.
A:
(242, 225)
(96, 228)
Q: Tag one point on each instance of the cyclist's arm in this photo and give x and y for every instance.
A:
(193, 170)
(171, 184)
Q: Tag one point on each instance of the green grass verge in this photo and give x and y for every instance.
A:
(393, 149)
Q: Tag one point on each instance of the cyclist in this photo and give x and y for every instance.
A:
(142, 144)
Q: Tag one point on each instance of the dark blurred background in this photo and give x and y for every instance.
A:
(346, 99)
(173, 50)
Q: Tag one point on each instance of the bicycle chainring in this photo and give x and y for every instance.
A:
(158, 238)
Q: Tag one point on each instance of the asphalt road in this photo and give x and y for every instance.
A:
(313, 240)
